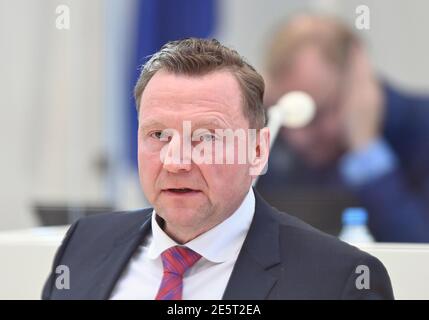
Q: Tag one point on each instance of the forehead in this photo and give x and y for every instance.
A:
(168, 95)
(312, 73)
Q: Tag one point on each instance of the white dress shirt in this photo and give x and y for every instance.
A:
(208, 278)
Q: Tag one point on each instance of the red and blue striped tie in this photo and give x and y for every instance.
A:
(176, 261)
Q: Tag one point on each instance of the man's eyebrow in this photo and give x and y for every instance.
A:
(204, 124)
(150, 124)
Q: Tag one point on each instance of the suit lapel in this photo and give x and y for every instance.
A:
(253, 276)
(115, 262)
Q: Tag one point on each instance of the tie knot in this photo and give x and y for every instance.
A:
(179, 259)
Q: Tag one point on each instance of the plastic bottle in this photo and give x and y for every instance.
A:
(355, 228)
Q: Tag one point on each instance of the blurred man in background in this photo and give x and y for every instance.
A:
(366, 138)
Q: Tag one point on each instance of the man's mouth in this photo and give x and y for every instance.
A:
(181, 191)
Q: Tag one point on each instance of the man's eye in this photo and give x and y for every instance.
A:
(160, 135)
(156, 134)
(207, 137)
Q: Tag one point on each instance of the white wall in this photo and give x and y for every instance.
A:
(50, 106)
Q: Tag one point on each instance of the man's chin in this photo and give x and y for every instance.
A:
(181, 216)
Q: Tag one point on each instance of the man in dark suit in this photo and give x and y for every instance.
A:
(209, 234)
(367, 144)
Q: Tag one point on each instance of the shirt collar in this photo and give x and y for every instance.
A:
(219, 244)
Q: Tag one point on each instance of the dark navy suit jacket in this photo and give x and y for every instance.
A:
(399, 201)
(281, 258)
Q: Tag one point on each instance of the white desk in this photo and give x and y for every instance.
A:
(26, 257)
(25, 260)
(408, 267)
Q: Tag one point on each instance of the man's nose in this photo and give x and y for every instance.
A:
(178, 155)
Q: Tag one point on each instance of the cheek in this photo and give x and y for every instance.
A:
(149, 166)
(217, 175)
(213, 175)
(300, 138)
(148, 151)
(332, 130)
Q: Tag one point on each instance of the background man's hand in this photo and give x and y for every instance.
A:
(362, 101)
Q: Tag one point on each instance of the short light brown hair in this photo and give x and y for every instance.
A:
(197, 57)
(333, 37)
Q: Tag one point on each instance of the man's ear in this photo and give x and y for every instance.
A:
(260, 149)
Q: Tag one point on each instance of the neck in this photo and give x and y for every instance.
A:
(183, 236)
